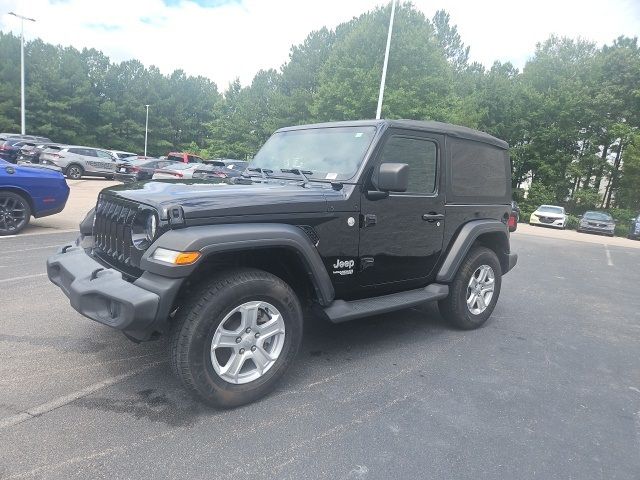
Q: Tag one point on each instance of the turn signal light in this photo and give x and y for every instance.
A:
(187, 258)
(176, 258)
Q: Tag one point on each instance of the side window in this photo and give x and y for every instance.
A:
(77, 151)
(89, 152)
(420, 155)
(193, 159)
(104, 155)
(479, 170)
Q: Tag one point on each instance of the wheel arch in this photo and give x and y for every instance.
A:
(281, 249)
(492, 234)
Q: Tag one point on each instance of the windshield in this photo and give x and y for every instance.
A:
(598, 216)
(328, 153)
(550, 209)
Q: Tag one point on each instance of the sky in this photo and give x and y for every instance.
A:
(225, 39)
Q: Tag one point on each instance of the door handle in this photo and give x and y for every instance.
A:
(432, 217)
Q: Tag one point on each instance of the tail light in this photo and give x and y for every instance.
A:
(56, 155)
(512, 220)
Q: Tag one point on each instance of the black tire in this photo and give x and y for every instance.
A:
(74, 171)
(198, 319)
(454, 308)
(15, 213)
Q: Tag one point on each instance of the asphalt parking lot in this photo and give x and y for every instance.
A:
(549, 388)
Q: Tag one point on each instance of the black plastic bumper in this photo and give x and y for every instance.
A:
(138, 308)
(512, 259)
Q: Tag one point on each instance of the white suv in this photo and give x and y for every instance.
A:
(549, 216)
(77, 161)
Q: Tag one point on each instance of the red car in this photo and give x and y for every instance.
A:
(184, 157)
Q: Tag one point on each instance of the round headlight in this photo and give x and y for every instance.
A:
(144, 229)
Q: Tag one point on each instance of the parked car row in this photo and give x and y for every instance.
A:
(592, 221)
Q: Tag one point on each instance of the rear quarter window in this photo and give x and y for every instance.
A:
(478, 172)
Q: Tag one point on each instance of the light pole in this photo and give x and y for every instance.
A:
(386, 60)
(22, 18)
(146, 129)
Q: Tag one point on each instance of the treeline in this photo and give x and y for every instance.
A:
(571, 115)
(81, 97)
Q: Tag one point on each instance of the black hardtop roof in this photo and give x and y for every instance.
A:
(422, 125)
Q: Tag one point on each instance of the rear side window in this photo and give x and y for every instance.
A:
(175, 158)
(77, 151)
(478, 171)
(420, 155)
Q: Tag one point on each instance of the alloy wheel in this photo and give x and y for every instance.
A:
(480, 289)
(13, 214)
(247, 342)
(74, 173)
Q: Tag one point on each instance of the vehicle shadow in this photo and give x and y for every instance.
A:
(157, 396)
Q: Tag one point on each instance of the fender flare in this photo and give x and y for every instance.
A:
(467, 235)
(215, 239)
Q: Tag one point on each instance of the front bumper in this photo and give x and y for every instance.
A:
(593, 229)
(559, 223)
(138, 308)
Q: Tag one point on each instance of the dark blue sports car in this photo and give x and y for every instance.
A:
(26, 191)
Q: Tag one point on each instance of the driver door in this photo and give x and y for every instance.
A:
(401, 235)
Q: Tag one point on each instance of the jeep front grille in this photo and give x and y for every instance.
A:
(112, 232)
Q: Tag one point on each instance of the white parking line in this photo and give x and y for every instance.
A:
(609, 261)
(66, 399)
(33, 248)
(20, 235)
(6, 280)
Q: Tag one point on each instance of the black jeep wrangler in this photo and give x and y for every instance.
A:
(344, 220)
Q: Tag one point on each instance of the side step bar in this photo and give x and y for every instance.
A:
(341, 311)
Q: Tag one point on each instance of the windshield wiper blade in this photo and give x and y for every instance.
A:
(263, 171)
(300, 172)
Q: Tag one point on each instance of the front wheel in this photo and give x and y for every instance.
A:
(15, 213)
(235, 338)
(475, 290)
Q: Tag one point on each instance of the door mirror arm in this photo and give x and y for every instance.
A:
(376, 195)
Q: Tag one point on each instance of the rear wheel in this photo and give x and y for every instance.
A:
(74, 172)
(475, 290)
(236, 337)
(15, 213)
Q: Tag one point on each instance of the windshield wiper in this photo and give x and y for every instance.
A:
(300, 172)
(263, 171)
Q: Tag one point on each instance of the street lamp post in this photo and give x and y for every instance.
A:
(386, 61)
(22, 18)
(146, 129)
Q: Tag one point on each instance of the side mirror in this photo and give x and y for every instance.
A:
(393, 177)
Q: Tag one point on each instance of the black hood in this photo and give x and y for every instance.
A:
(204, 199)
